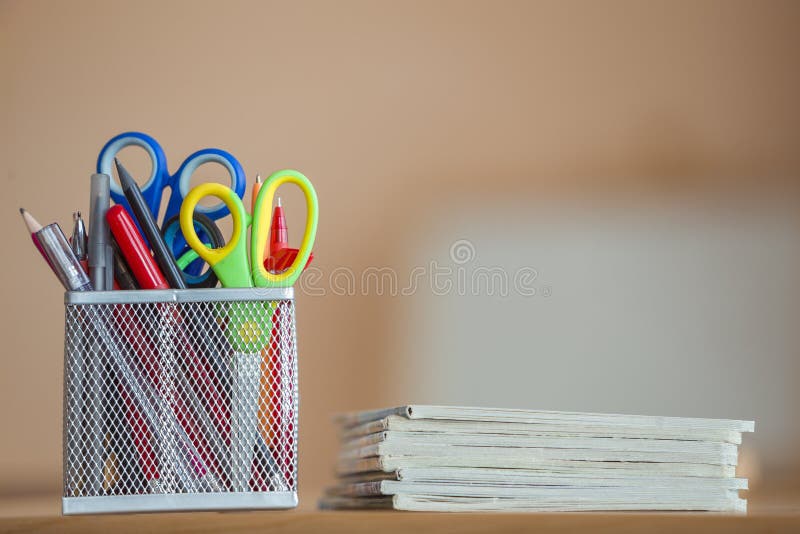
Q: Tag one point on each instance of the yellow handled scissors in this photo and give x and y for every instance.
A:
(230, 263)
(249, 323)
(246, 329)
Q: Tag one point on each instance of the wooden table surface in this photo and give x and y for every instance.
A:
(776, 512)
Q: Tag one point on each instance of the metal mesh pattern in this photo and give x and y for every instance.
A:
(180, 397)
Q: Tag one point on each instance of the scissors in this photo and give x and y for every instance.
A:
(179, 183)
(231, 263)
(249, 324)
(245, 331)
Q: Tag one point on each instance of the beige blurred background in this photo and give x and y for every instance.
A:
(642, 158)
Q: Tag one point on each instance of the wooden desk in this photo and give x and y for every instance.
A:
(779, 512)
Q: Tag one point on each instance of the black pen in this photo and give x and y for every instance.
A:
(122, 272)
(161, 252)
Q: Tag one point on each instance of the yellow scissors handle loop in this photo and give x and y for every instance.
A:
(261, 219)
(229, 262)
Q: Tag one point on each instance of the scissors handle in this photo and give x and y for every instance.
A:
(181, 181)
(261, 225)
(153, 187)
(186, 257)
(229, 262)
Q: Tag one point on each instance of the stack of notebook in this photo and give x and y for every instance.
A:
(441, 458)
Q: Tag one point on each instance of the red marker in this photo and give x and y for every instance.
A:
(134, 250)
(147, 274)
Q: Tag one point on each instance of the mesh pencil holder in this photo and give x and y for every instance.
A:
(180, 400)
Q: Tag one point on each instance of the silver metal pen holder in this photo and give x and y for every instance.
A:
(180, 400)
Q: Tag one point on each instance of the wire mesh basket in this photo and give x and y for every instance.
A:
(180, 400)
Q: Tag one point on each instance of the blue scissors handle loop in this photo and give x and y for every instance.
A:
(159, 179)
(151, 190)
(181, 181)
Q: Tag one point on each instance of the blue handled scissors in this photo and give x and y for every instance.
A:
(179, 183)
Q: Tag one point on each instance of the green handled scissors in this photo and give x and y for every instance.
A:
(248, 324)
(230, 262)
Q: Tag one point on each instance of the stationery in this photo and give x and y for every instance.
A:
(122, 272)
(179, 183)
(247, 335)
(160, 178)
(279, 256)
(70, 272)
(161, 253)
(80, 240)
(148, 276)
(100, 253)
(58, 252)
(231, 261)
(453, 458)
(134, 250)
(33, 227)
(101, 271)
(185, 256)
(163, 402)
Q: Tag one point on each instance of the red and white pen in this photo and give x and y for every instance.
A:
(278, 232)
(278, 256)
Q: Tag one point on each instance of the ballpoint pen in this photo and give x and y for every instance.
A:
(278, 256)
(107, 408)
(79, 240)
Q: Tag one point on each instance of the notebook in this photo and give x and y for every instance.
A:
(443, 458)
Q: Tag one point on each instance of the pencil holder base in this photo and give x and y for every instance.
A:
(180, 400)
(181, 502)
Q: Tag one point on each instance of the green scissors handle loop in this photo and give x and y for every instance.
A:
(229, 262)
(261, 220)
